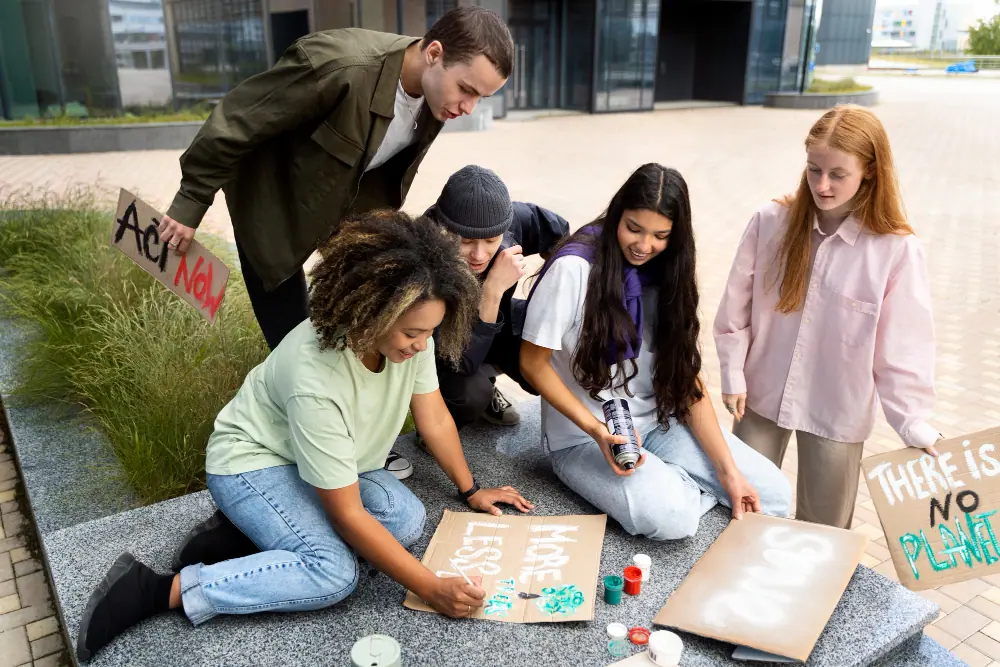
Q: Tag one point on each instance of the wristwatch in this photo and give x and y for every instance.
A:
(465, 495)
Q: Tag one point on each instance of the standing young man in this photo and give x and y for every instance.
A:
(496, 236)
(340, 124)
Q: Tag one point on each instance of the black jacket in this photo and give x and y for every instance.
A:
(536, 230)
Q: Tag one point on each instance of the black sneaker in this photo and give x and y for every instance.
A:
(398, 466)
(129, 593)
(214, 540)
(501, 411)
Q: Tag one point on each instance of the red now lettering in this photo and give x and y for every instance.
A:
(200, 282)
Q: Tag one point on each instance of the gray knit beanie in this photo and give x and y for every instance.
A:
(474, 204)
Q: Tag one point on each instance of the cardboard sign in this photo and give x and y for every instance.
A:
(197, 276)
(938, 513)
(534, 569)
(767, 583)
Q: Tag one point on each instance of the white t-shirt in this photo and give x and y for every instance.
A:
(555, 315)
(401, 132)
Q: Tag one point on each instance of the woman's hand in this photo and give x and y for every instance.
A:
(484, 500)
(605, 440)
(736, 404)
(453, 597)
(742, 494)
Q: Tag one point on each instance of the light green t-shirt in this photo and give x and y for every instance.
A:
(321, 410)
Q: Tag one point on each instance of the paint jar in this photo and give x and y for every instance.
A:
(619, 420)
(665, 648)
(376, 651)
(613, 589)
(633, 580)
(643, 562)
(617, 631)
(618, 648)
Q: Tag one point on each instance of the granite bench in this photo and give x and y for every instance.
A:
(85, 521)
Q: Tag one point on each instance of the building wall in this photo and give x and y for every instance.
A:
(845, 32)
(924, 24)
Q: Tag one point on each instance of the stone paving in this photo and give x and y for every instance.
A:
(945, 139)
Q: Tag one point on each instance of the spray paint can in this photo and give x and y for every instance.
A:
(619, 421)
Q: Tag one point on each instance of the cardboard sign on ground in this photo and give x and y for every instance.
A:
(197, 276)
(938, 513)
(766, 583)
(534, 569)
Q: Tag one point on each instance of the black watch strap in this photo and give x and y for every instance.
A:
(465, 495)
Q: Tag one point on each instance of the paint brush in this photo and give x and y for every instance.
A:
(455, 565)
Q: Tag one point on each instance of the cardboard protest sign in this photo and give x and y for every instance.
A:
(938, 512)
(767, 583)
(534, 569)
(197, 276)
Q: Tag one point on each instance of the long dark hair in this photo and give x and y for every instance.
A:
(677, 364)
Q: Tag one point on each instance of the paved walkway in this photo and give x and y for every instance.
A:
(945, 138)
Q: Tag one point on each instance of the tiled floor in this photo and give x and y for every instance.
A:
(945, 139)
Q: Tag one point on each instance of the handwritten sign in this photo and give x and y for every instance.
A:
(197, 276)
(939, 513)
(766, 583)
(534, 569)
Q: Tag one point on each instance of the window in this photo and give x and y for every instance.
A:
(627, 32)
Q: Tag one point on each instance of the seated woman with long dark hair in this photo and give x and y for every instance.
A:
(614, 314)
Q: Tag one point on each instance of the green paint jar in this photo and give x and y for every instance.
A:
(613, 589)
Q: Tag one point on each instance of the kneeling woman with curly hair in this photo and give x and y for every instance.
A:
(296, 458)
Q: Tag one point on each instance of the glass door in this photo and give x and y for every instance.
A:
(534, 27)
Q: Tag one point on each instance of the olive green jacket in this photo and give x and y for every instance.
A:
(289, 148)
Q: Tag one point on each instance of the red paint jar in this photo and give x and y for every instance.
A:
(633, 580)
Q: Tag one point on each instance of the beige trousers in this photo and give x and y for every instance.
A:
(828, 472)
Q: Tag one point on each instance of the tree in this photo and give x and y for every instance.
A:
(984, 37)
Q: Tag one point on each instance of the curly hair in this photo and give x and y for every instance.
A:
(677, 357)
(379, 265)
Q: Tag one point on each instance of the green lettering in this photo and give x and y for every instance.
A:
(935, 565)
(911, 547)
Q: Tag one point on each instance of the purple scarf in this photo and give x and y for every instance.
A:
(632, 283)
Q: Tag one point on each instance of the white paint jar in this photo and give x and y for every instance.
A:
(643, 562)
(617, 631)
(665, 648)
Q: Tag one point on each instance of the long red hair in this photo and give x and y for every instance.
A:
(878, 206)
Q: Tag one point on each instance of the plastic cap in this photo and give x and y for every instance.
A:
(639, 635)
(617, 631)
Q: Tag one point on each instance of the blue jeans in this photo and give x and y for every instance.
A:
(303, 564)
(666, 497)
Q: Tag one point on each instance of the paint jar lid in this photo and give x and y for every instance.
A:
(617, 630)
(632, 573)
(376, 651)
(618, 648)
(665, 648)
(613, 582)
(642, 561)
(638, 635)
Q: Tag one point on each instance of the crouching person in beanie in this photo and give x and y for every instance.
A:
(496, 236)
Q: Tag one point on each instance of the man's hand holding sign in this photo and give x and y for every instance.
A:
(192, 272)
(938, 512)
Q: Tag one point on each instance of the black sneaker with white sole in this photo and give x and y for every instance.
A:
(501, 411)
(397, 465)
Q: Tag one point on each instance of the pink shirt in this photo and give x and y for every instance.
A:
(865, 334)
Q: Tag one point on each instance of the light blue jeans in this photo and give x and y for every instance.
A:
(303, 564)
(666, 497)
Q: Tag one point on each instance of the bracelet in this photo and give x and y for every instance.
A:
(465, 495)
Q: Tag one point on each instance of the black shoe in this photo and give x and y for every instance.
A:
(129, 593)
(501, 411)
(213, 541)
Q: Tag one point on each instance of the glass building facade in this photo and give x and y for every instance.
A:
(57, 56)
(592, 56)
(216, 45)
